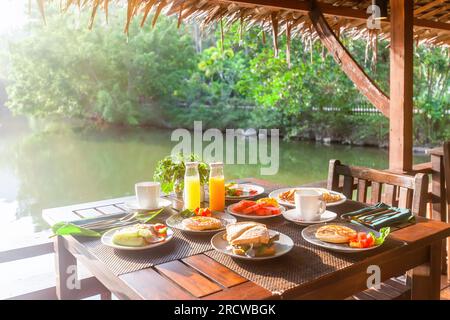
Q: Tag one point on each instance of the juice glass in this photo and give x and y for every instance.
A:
(191, 186)
(216, 187)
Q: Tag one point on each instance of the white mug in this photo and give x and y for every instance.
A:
(147, 194)
(309, 204)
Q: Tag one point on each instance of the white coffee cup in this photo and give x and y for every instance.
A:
(309, 204)
(147, 194)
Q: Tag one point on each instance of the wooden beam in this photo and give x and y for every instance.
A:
(435, 12)
(330, 10)
(430, 24)
(351, 68)
(401, 86)
(427, 6)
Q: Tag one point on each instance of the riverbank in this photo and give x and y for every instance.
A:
(60, 166)
(79, 125)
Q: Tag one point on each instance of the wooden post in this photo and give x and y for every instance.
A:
(401, 86)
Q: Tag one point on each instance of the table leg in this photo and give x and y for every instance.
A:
(426, 279)
(65, 268)
(105, 295)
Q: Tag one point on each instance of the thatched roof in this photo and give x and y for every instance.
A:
(431, 22)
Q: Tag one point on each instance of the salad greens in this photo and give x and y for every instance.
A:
(384, 232)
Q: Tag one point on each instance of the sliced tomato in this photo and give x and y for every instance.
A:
(362, 236)
(364, 243)
(243, 204)
(203, 212)
(370, 241)
(267, 211)
(160, 228)
(253, 208)
(353, 238)
(355, 244)
(206, 212)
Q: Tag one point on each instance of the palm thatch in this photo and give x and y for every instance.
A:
(290, 17)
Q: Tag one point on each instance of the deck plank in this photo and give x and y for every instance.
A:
(214, 270)
(188, 278)
(150, 285)
(245, 291)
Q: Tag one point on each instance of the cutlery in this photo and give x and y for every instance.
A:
(112, 226)
(109, 221)
(369, 212)
(377, 214)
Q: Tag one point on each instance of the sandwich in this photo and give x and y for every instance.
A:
(335, 233)
(251, 238)
(200, 223)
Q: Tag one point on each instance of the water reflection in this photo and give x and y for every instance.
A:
(45, 170)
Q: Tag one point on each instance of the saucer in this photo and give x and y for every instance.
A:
(292, 215)
(133, 205)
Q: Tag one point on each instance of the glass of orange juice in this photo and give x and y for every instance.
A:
(216, 187)
(191, 186)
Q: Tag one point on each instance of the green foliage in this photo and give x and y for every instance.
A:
(170, 172)
(61, 70)
(157, 78)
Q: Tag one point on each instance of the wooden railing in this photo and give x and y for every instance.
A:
(88, 287)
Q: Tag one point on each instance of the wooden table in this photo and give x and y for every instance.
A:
(201, 277)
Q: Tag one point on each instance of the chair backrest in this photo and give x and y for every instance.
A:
(373, 186)
(447, 174)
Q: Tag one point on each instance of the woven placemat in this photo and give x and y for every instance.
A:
(304, 263)
(121, 262)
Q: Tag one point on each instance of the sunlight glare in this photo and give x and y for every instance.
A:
(13, 14)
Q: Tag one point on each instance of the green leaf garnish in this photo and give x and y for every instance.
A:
(384, 232)
(187, 213)
(148, 216)
(67, 228)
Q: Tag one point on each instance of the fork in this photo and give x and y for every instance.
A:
(97, 224)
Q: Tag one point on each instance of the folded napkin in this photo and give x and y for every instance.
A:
(379, 215)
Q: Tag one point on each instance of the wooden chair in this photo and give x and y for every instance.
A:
(372, 186)
(397, 190)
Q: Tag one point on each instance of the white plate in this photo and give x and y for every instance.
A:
(107, 241)
(309, 234)
(282, 246)
(246, 186)
(176, 221)
(231, 211)
(133, 205)
(276, 193)
(293, 216)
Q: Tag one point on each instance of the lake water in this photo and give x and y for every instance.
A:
(44, 170)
